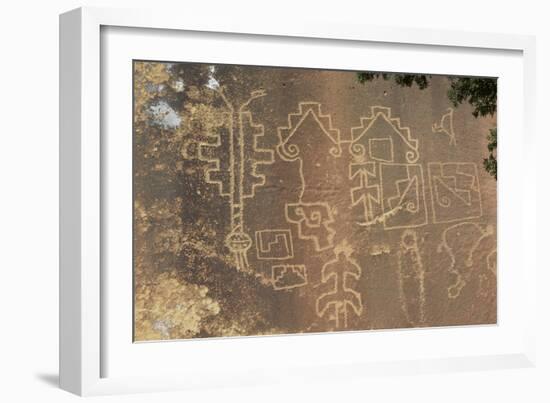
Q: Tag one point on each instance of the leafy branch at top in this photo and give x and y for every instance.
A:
(403, 80)
(480, 93)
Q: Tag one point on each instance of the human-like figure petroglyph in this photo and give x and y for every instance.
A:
(446, 126)
(403, 195)
(310, 140)
(380, 137)
(411, 279)
(461, 241)
(339, 279)
(288, 276)
(455, 191)
(235, 172)
(274, 244)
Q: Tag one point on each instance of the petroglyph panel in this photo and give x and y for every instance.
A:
(282, 200)
(383, 136)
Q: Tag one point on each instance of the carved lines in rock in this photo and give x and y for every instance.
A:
(339, 279)
(367, 191)
(288, 276)
(404, 195)
(460, 242)
(309, 128)
(446, 127)
(411, 278)
(274, 244)
(306, 128)
(314, 223)
(235, 172)
(384, 137)
(455, 191)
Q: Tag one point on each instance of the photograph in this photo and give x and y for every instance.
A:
(276, 200)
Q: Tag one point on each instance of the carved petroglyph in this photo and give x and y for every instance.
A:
(382, 138)
(388, 186)
(313, 221)
(235, 173)
(274, 244)
(325, 205)
(411, 279)
(367, 191)
(403, 193)
(455, 191)
(492, 262)
(461, 241)
(446, 127)
(380, 219)
(311, 140)
(381, 249)
(288, 276)
(488, 278)
(339, 279)
(308, 113)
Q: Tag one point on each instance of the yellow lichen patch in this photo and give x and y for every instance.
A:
(170, 308)
(145, 76)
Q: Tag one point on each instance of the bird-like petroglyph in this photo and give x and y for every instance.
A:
(446, 126)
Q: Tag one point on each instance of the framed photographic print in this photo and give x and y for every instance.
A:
(235, 202)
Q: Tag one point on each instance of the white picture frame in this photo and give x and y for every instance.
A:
(85, 343)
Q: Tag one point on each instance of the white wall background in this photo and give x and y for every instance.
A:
(29, 198)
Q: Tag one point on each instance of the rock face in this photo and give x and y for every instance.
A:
(279, 200)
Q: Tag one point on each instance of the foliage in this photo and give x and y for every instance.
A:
(490, 163)
(480, 93)
(403, 80)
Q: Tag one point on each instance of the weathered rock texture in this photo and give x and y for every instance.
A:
(278, 200)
